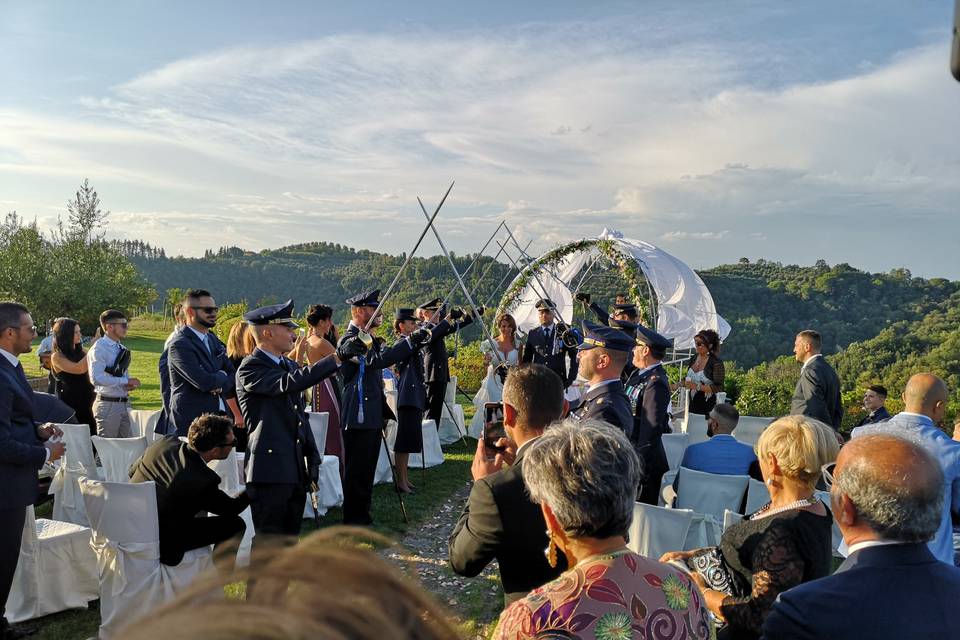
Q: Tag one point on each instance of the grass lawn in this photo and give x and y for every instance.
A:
(434, 487)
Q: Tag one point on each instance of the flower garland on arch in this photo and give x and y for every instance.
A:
(625, 263)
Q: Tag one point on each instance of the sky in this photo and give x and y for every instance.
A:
(714, 130)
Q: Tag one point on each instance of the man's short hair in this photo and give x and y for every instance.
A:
(11, 315)
(812, 338)
(110, 315)
(208, 432)
(726, 415)
(878, 389)
(195, 294)
(536, 392)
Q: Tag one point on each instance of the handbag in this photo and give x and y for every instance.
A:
(711, 566)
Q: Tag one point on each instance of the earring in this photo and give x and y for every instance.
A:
(769, 482)
(551, 551)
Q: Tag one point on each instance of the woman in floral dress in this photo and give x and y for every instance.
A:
(584, 475)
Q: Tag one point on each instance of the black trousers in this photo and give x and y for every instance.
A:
(198, 533)
(436, 392)
(361, 451)
(11, 534)
(277, 508)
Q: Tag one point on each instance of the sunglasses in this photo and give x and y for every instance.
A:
(699, 344)
(229, 445)
(207, 309)
(827, 472)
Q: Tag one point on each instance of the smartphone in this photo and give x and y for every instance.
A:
(493, 428)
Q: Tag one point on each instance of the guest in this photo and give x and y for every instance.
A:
(201, 376)
(887, 495)
(240, 344)
(187, 488)
(44, 353)
(411, 401)
(649, 393)
(584, 476)
(785, 543)
(491, 389)
(924, 405)
(108, 362)
(164, 426)
(341, 589)
(545, 347)
(873, 399)
(601, 358)
(24, 447)
(283, 460)
(68, 363)
(705, 373)
(326, 395)
(818, 389)
(722, 453)
(499, 520)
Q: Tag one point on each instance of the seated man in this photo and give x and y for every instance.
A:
(187, 487)
(886, 498)
(722, 453)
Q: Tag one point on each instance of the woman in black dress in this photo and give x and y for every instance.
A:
(411, 402)
(705, 373)
(785, 543)
(68, 362)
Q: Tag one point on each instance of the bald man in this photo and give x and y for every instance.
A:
(886, 498)
(924, 401)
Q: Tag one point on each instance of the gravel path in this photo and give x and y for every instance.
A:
(424, 551)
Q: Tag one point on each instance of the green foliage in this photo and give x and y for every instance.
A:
(766, 390)
(468, 366)
(227, 316)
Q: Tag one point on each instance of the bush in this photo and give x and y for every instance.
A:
(468, 366)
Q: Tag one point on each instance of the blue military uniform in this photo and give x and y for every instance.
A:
(436, 361)
(649, 391)
(411, 396)
(544, 346)
(282, 456)
(363, 413)
(606, 401)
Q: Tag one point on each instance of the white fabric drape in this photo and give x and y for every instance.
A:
(117, 454)
(77, 462)
(710, 493)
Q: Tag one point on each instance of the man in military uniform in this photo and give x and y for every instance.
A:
(435, 358)
(622, 310)
(282, 457)
(601, 356)
(649, 391)
(363, 407)
(545, 347)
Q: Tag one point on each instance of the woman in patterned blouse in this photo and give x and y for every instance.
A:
(584, 475)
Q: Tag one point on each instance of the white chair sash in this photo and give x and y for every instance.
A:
(110, 560)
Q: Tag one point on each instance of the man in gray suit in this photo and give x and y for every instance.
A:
(818, 390)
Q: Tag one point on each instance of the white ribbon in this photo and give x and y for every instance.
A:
(111, 556)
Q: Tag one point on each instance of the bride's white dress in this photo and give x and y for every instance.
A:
(490, 391)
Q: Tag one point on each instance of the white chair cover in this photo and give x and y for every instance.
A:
(77, 462)
(710, 493)
(390, 392)
(144, 422)
(432, 453)
(749, 429)
(384, 475)
(319, 423)
(667, 494)
(705, 531)
(839, 547)
(674, 444)
(117, 454)
(246, 542)
(230, 470)
(696, 428)
(453, 425)
(731, 518)
(126, 540)
(681, 415)
(757, 495)
(57, 570)
(331, 488)
(656, 530)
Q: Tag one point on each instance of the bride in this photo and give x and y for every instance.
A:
(491, 390)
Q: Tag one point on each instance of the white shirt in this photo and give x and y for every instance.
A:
(866, 544)
(12, 359)
(591, 387)
(810, 359)
(102, 354)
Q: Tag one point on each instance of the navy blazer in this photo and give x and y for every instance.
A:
(896, 591)
(21, 452)
(650, 392)
(609, 403)
(436, 361)
(271, 401)
(411, 390)
(537, 350)
(374, 402)
(194, 372)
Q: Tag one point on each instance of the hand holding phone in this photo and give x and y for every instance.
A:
(493, 429)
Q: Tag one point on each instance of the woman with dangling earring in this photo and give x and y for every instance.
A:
(584, 475)
(785, 543)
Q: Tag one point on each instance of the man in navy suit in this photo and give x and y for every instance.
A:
(282, 456)
(544, 345)
(201, 375)
(886, 497)
(24, 447)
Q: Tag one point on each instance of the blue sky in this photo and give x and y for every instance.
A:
(714, 130)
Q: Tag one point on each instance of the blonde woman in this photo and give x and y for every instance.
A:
(785, 543)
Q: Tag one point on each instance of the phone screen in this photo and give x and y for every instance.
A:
(493, 428)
